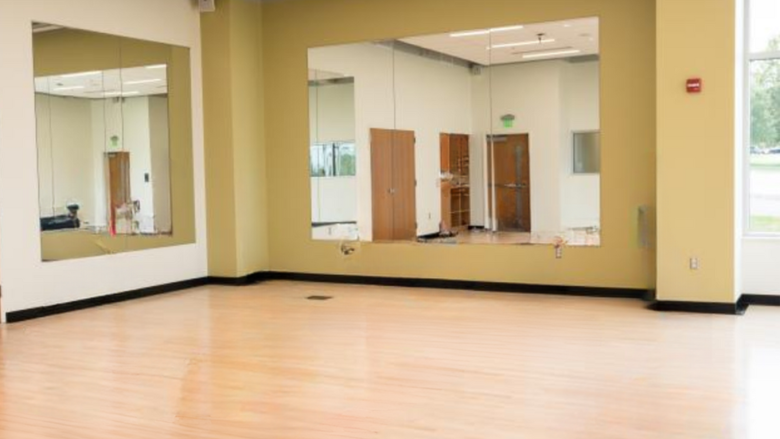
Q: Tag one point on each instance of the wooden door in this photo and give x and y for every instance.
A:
(404, 186)
(382, 184)
(510, 182)
(118, 169)
(393, 185)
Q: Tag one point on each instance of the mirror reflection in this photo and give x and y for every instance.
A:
(484, 136)
(106, 135)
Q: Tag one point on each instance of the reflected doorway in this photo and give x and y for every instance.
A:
(509, 183)
(118, 168)
(393, 185)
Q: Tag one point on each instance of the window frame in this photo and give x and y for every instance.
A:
(748, 58)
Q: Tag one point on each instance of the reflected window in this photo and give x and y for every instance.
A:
(333, 160)
(587, 153)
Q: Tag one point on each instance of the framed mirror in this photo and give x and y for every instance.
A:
(114, 136)
(478, 136)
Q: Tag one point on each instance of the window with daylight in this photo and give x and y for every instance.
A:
(763, 75)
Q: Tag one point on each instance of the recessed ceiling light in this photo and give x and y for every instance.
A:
(505, 28)
(566, 24)
(524, 43)
(142, 81)
(470, 33)
(550, 53)
(81, 74)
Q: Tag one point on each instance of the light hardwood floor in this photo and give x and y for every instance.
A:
(263, 362)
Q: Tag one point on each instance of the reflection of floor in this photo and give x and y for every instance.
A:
(335, 232)
(576, 238)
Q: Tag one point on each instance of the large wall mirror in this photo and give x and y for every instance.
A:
(114, 136)
(481, 136)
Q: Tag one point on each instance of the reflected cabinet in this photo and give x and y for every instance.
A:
(114, 140)
(477, 136)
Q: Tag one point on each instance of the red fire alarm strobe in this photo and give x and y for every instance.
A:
(693, 85)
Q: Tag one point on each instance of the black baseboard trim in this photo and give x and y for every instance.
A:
(45, 311)
(231, 281)
(760, 299)
(735, 309)
(448, 284)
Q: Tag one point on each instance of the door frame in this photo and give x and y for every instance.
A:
(491, 222)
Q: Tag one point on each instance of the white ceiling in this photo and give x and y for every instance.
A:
(135, 81)
(573, 38)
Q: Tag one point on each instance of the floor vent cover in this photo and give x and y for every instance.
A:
(319, 297)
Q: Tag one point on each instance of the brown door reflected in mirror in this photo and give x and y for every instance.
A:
(118, 177)
(510, 182)
(393, 185)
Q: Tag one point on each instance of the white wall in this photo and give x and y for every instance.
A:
(759, 266)
(334, 199)
(549, 100)
(332, 113)
(532, 93)
(580, 193)
(161, 163)
(65, 151)
(138, 142)
(72, 147)
(28, 282)
(429, 97)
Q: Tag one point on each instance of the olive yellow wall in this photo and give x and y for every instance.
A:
(235, 148)
(628, 139)
(696, 153)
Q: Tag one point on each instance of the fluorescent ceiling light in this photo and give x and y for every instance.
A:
(142, 81)
(110, 94)
(157, 66)
(550, 53)
(523, 43)
(81, 74)
(470, 33)
(505, 28)
(73, 87)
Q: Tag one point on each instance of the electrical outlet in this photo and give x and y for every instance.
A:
(694, 263)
